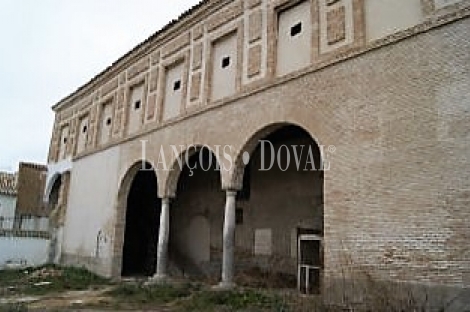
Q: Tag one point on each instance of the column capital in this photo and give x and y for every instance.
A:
(231, 192)
(232, 186)
(166, 200)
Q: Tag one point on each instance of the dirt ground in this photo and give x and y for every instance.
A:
(53, 288)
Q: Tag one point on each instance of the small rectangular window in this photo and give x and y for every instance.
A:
(296, 29)
(226, 62)
(177, 85)
(108, 121)
(137, 104)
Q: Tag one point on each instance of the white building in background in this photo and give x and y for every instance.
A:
(24, 221)
(8, 192)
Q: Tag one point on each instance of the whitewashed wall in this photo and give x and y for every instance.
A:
(89, 226)
(23, 251)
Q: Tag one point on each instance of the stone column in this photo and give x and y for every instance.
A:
(162, 251)
(229, 241)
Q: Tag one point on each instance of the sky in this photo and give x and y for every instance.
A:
(49, 48)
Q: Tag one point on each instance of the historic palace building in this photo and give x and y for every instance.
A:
(328, 140)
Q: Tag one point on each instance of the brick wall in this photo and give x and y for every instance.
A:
(397, 194)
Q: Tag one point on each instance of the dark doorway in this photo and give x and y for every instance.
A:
(142, 226)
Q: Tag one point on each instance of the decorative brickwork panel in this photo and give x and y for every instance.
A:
(224, 16)
(330, 2)
(153, 80)
(254, 60)
(155, 58)
(197, 56)
(92, 126)
(121, 98)
(138, 68)
(151, 106)
(71, 142)
(336, 29)
(83, 131)
(66, 114)
(110, 86)
(176, 44)
(54, 147)
(93, 113)
(438, 4)
(117, 122)
(253, 3)
(123, 78)
(255, 26)
(198, 32)
(195, 91)
(117, 125)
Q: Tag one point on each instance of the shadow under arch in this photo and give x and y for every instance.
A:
(57, 201)
(180, 162)
(197, 214)
(137, 226)
(282, 201)
(252, 142)
(51, 183)
(52, 195)
(57, 197)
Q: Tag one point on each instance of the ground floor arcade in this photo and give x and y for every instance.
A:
(206, 230)
(393, 206)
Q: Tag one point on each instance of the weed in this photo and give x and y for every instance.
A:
(156, 294)
(48, 279)
(13, 307)
(232, 301)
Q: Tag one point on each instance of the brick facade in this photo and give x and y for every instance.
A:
(391, 113)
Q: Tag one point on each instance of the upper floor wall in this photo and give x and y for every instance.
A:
(226, 49)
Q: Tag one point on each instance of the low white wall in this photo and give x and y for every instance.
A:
(23, 251)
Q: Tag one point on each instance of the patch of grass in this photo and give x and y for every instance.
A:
(156, 294)
(258, 278)
(190, 297)
(241, 300)
(13, 307)
(11, 277)
(48, 279)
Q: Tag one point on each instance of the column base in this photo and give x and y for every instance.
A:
(222, 286)
(157, 280)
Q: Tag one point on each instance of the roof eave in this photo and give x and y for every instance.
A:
(169, 30)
